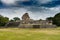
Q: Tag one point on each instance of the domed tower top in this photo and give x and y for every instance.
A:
(25, 16)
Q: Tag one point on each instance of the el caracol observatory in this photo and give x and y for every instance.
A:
(27, 22)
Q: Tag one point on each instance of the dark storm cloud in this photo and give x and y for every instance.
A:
(35, 7)
(36, 3)
(51, 4)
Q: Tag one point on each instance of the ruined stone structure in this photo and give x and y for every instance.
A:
(25, 18)
(26, 22)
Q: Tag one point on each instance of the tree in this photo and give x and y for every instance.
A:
(16, 18)
(40, 19)
(3, 20)
(56, 19)
(11, 20)
(49, 18)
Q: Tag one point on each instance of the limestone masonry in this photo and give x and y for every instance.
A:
(27, 22)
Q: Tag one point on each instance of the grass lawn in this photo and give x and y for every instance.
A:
(29, 34)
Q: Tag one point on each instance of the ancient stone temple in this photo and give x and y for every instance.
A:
(25, 18)
(27, 22)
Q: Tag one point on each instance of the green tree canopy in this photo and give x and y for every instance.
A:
(11, 20)
(16, 18)
(56, 19)
(3, 20)
(49, 18)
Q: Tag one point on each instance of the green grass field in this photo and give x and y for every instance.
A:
(29, 34)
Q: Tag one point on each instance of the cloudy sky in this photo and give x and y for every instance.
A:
(37, 9)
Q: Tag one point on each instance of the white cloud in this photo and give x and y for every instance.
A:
(8, 1)
(11, 1)
(13, 12)
(41, 14)
(14, 1)
(52, 11)
(44, 1)
(57, 8)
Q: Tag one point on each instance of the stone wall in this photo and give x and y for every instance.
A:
(12, 24)
(26, 22)
(36, 26)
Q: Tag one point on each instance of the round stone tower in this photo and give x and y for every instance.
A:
(26, 18)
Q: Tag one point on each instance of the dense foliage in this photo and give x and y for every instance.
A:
(56, 19)
(49, 18)
(3, 20)
(16, 19)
